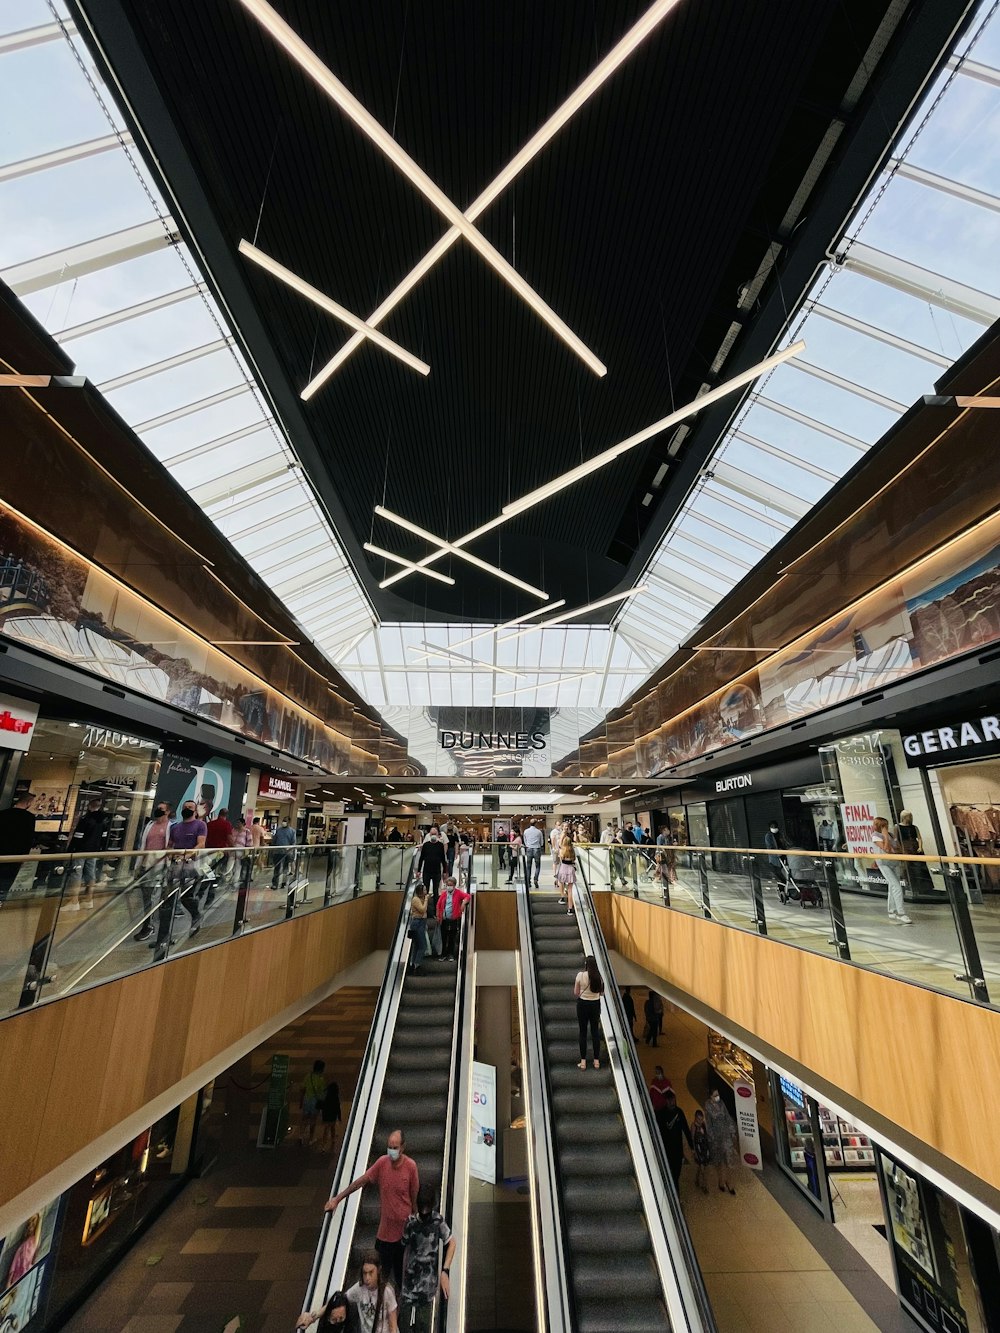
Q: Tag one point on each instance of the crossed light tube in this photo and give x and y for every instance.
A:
(462, 223)
(575, 474)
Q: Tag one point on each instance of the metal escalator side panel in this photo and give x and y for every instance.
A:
(337, 1231)
(553, 1302)
(684, 1292)
(455, 1176)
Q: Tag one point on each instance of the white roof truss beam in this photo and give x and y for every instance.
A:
(931, 288)
(849, 386)
(168, 363)
(755, 489)
(75, 261)
(973, 69)
(129, 312)
(773, 405)
(880, 335)
(967, 193)
(765, 447)
(189, 409)
(59, 157)
(25, 38)
(221, 490)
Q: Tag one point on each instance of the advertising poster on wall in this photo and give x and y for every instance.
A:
(747, 1124)
(483, 1152)
(208, 785)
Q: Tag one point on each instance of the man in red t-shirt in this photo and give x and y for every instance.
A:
(221, 836)
(658, 1090)
(397, 1180)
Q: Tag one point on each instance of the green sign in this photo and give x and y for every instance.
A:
(274, 1121)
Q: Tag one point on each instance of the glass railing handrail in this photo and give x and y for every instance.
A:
(458, 1129)
(141, 899)
(650, 849)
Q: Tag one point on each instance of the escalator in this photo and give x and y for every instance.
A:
(415, 1077)
(618, 1248)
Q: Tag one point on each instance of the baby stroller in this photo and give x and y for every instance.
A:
(800, 884)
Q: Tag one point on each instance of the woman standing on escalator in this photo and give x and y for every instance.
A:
(588, 989)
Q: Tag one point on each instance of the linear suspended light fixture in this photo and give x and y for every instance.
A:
(495, 629)
(450, 548)
(579, 611)
(558, 484)
(561, 680)
(485, 668)
(332, 307)
(310, 62)
(542, 136)
(408, 565)
(439, 554)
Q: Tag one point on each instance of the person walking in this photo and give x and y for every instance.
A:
(617, 858)
(911, 843)
(774, 841)
(515, 850)
(503, 842)
(242, 853)
(187, 836)
(674, 1129)
(720, 1128)
(533, 839)
(884, 844)
(566, 874)
(152, 868)
(330, 1113)
(425, 1231)
(90, 836)
(700, 1150)
(313, 1096)
(588, 989)
(283, 859)
(653, 1014)
(17, 837)
(628, 1004)
(219, 839)
(418, 927)
(395, 1176)
(431, 862)
(450, 906)
(557, 836)
(374, 1299)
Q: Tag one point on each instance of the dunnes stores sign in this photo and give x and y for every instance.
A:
(959, 740)
(492, 740)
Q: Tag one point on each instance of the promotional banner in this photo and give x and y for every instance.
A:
(747, 1125)
(483, 1152)
(208, 785)
(858, 829)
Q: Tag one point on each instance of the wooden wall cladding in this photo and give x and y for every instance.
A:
(74, 1069)
(496, 920)
(925, 1061)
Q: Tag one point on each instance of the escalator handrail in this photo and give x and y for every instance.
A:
(554, 1308)
(680, 1273)
(458, 1130)
(333, 1252)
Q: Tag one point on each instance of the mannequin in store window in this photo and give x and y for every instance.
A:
(916, 873)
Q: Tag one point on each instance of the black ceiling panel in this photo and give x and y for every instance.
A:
(629, 224)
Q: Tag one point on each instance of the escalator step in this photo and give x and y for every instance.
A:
(621, 1316)
(617, 1269)
(589, 1234)
(617, 1196)
(585, 1101)
(433, 1083)
(600, 1130)
(565, 1077)
(439, 1016)
(610, 1160)
(417, 1057)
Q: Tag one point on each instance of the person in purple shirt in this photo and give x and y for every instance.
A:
(188, 836)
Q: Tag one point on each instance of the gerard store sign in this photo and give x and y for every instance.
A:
(17, 723)
(958, 740)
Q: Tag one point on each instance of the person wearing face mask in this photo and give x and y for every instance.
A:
(187, 838)
(720, 1127)
(774, 841)
(338, 1312)
(152, 867)
(396, 1178)
(425, 1230)
(432, 862)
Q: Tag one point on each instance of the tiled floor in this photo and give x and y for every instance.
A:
(758, 1251)
(240, 1241)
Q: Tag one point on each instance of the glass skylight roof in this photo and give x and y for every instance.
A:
(87, 242)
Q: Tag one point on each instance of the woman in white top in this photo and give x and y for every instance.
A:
(373, 1298)
(883, 843)
(588, 990)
